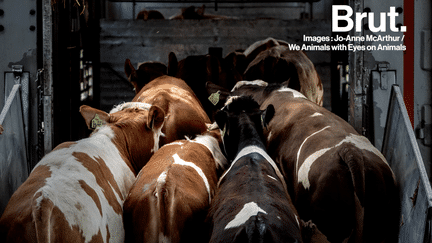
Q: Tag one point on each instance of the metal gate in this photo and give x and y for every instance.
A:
(14, 133)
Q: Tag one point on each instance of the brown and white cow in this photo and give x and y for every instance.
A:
(76, 192)
(335, 176)
(252, 203)
(184, 113)
(172, 194)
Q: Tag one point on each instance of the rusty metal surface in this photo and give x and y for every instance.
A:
(403, 155)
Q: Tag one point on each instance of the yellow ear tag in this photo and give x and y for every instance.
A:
(214, 98)
(96, 122)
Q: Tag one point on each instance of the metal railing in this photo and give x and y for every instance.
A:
(13, 146)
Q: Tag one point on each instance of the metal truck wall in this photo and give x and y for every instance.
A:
(13, 144)
(403, 155)
(153, 40)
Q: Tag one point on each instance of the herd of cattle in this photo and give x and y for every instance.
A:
(201, 155)
(186, 13)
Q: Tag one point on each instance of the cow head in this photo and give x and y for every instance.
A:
(136, 129)
(147, 71)
(239, 114)
(197, 70)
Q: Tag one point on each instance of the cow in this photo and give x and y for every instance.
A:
(279, 64)
(170, 199)
(198, 14)
(335, 177)
(76, 192)
(251, 203)
(146, 72)
(197, 70)
(184, 113)
(259, 46)
(149, 14)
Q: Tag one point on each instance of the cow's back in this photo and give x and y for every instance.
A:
(312, 145)
(172, 193)
(184, 112)
(72, 184)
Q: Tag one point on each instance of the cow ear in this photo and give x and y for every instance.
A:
(156, 118)
(311, 234)
(94, 118)
(172, 64)
(267, 115)
(221, 119)
(129, 68)
(201, 10)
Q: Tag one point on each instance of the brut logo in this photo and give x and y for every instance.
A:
(336, 18)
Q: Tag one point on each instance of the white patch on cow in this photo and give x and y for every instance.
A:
(213, 146)
(162, 178)
(248, 210)
(279, 217)
(269, 136)
(358, 141)
(163, 238)
(181, 143)
(138, 105)
(297, 220)
(229, 101)
(255, 82)
(295, 93)
(213, 126)
(64, 190)
(160, 181)
(254, 149)
(179, 161)
(304, 141)
(272, 177)
(316, 114)
(157, 133)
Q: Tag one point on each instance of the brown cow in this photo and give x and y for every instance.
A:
(172, 194)
(197, 70)
(335, 176)
(184, 113)
(76, 192)
(149, 14)
(198, 14)
(147, 71)
(279, 64)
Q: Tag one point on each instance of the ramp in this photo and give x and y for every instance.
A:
(402, 153)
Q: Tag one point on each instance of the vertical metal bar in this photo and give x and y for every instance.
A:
(47, 74)
(408, 84)
(8, 103)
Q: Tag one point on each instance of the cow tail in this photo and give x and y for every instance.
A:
(353, 158)
(42, 214)
(163, 209)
